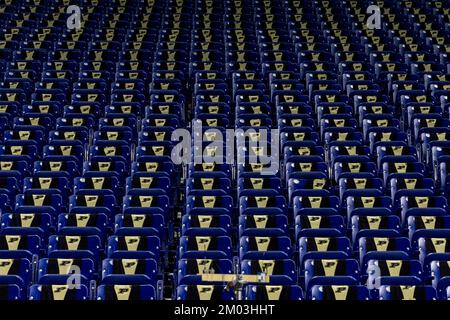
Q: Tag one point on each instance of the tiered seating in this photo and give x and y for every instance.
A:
(99, 201)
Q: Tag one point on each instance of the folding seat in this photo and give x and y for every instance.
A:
(133, 247)
(118, 121)
(273, 292)
(205, 87)
(58, 292)
(154, 153)
(60, 270)
(208, 108)
(148, 204)
(433, 138)
(74, 247)
(316, 226)
(47, 185)
(23, 70)
(262, 205)
(142, 169)
(409, 169)
(308, 187)
(190, 271)
(421, 68)
(18, 152)
(360, 187)
(146, 185)
(316, 205)
(256, 121)
(329, 272)
(422, 205)
(115, 136)
(407, 292)
(426, 225)
(26, 224)
(343, 137)
(362, 89)
(129, 271)
(105, 168)
(209, 205)
(298, 169)
(205, 247)
(93, 203)
(368, 205)
(96, 65)
(294, 109)
(382, 69)
(17, 272)
(389, 248)
(298, 136)
(126, 292)
(63, 59)
(82, 111)
(261, 225)
(63, 151)
(395, 153)
(303, 153)
(9, 292)
(393, 272)
(311, 66)
(337, 125)
(381, 125)
(208, 186)
(25, 85)
(343, 153)
(110, 151)
(311, 55)
(405, 88)
(137, 86)
(39, 203)
(374, 111)
(428, 124)
(319, 76)
(279, 271)
(50, 168)
(368, 97)
(83, 224)
(265, 247)
(386, 138)
(139, 224)
(159, 73)
(333, 110)
(373, 226)
(8, 110)
(204, 292)
(409, 187)
(340, 292)
(430, 79)
(354, 167)
(323, 248)
(9, 186)
(159, 119)
(69, 135)
(205, 225)
(93, 185)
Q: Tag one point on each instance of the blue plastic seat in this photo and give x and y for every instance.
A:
(273, 292)
(61, 270)
(204, 292)
(114, 292)
(58, 292)
(339, 292)
(190, 271)
(407, 292)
